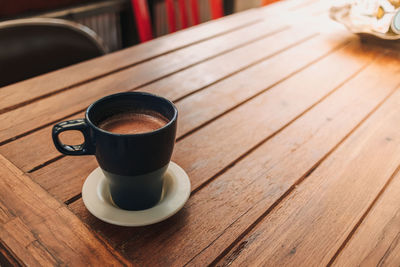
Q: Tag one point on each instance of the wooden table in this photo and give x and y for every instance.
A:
(288, 129)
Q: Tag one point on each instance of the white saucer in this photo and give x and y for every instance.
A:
(97, 199)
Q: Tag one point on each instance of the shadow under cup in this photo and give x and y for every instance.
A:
(133, 164)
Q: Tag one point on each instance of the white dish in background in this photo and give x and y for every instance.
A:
(341, 14)
(97, 199)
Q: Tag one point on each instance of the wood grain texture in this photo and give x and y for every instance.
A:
(55, 107)
(310, 225)
(204, 74)
(376, 240)
(40, 230)
(34, 88)
(139, 75)
(16, 94)
(291, 151)
(172, 87)
(34, 149)
(196, 109)
(200, 76)
(217, 214)
(207, 151)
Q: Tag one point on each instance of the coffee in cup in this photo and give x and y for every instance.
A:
(132, 135)
(133, 122)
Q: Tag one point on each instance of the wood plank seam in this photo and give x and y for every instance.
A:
(34, 166)
(244, 242)
(78, 73)
(73, 199)
(387, 253)
(263, 91)
(212, 242)
(391, 248)
(10, 257)
(303, 171)
(59, 211)
(246, 67)
(76, 197)
(196, 186)
(233, 163)
(232, 255)
(291, 53)
(280, 29)
(258, 28)
(38, 128)
(122, 260)
(44, 164)
(176, 100)
(4, 110)
(299, 181)
(346, 132)
(356, 226)
(223, 25)
(39, 163)
(236, 252)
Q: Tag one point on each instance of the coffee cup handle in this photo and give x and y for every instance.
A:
(75, 150)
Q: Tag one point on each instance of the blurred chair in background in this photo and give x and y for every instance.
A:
(143, 19)
(30, 47)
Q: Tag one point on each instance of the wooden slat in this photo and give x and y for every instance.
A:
(308, 227)
(42, 231)
(172, 87)
(16, 94)
(87, 70)
(208, 151)
(41, 148)
(214, 70)
(192, 79)
(33, 88)
(196, 110)
(217, 214)
(376, 240)
(57, 81)
(55, 107)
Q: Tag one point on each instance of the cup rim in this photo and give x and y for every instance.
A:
(131, 93)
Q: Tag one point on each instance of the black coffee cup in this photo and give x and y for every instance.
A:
(133, 164)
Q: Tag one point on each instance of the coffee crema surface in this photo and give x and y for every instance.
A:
(133, 123)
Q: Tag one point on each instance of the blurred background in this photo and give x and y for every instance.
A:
(112, 20)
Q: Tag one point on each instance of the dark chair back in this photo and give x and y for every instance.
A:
(30, 47)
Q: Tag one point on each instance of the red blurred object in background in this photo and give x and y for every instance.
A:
(143, 20)
(216, 9)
